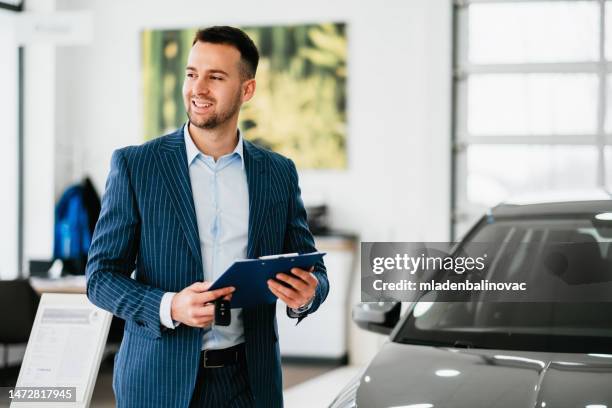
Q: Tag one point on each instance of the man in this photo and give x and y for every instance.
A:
(178, 211)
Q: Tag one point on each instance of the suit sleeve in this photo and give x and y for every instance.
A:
(299, 239)
(112, 255)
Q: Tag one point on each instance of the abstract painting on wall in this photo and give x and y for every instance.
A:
(299, 107)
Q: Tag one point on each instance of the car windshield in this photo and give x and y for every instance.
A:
(555, 327)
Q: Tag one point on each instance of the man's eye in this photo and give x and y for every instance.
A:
(190, 75)
(217, 78)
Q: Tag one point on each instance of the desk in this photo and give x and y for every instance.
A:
(66, 284)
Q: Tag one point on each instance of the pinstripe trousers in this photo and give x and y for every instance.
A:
(226, 386)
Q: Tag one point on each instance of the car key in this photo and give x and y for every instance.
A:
(223, 314)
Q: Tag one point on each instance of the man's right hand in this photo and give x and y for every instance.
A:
(193, 305)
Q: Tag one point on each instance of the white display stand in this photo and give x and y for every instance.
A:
(65, 348)
(322, 337)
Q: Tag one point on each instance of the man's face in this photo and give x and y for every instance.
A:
(213, 90)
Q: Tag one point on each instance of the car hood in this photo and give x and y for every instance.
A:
(410, 376)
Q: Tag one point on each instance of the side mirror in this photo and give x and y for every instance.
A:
(378, 317)
(603, 223)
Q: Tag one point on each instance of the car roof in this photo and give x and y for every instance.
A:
(565, 208)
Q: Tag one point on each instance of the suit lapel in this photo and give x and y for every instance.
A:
(258, 179)
(172, 161)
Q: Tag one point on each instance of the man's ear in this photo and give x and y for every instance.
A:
(248, 89)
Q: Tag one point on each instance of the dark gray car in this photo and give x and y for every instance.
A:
(472, 354)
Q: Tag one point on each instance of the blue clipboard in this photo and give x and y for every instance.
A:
(250, 277)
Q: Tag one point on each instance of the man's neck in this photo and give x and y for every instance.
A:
(215, 142)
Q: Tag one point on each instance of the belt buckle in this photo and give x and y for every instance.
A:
(206, 358)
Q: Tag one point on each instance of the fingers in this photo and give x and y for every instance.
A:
(212, 295)
(202, 322)
(306, 276)
(287, 293)
(302, 279)
(200, 286)
(296, 283)
(203, 311)
(192, 306)
(287, 300)
(303, 287)
(203, 316)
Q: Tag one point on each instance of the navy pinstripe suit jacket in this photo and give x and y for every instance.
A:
(148, 225)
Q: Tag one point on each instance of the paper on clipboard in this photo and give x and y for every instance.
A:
(250, 276)
(65, 348)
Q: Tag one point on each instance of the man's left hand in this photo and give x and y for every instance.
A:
(302, 287)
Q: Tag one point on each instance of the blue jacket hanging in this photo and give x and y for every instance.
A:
(72, 231)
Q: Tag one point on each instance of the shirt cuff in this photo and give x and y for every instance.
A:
(302, 309)
(165, 310)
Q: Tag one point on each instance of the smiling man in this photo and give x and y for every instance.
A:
(178, 211)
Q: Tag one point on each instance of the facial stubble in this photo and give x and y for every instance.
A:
(216, 119)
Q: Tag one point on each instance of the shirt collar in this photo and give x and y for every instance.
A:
(193, 151)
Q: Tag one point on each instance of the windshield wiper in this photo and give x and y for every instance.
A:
(418, 342)
(463, 344)
(433, 343)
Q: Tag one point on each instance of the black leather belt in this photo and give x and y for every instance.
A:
(223, 357)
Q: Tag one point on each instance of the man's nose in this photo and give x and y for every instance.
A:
(201, 86)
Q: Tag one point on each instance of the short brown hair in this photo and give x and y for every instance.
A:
(249, 56)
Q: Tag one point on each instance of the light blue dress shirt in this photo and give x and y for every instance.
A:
(221, 200)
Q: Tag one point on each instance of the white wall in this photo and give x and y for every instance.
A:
(397, 186)
(39, 141)
(8, 153)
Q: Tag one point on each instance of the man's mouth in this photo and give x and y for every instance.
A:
(201, 104)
